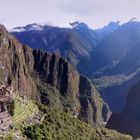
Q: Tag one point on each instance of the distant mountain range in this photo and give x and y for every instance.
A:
(109, 56)
(66, 101)
(106, 30)
(118, 66)
(75, 44)
(50, 98)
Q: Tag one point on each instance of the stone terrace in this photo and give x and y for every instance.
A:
(5, 100)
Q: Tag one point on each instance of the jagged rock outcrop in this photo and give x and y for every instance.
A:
(75, 93)
(16, 63)
(129, 120)
(49, 79)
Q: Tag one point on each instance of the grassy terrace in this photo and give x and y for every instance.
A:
(24, 108)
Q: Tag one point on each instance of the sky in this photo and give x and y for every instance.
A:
(95, 13)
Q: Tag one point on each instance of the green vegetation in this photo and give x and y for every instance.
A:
(58, 125)
(23, 109)
(8, 136)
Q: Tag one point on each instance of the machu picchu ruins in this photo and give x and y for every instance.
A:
(5, 100)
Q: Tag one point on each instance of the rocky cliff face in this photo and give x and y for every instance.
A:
(16, 63)
(64, 87)
(49, 79)
(129, 120)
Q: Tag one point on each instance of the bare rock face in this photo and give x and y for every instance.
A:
(49, 79)
(129, 120)
(76, 93)
(15, 64)
(56, 72)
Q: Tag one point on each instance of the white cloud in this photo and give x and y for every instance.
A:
(96, 13)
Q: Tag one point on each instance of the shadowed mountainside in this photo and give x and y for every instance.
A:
(118, 66)
(129, 120)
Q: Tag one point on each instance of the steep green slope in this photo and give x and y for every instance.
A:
(58, 125)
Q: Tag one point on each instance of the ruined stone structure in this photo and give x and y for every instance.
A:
(5, 100)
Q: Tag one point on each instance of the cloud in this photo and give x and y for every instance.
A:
(81, 7)
(95, 13)
(2, 20)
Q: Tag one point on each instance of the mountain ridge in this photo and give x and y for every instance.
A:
(43, 75)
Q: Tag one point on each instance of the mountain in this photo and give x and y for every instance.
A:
(49, 79)
(118, 64)
(113, 48)
(48, 95)
(106, 30)
(74, 44)
(129, 120)
(110, 55)
(53, 83)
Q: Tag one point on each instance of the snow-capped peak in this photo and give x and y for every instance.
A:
(34, 27)
(18, 29)
(30, 27)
